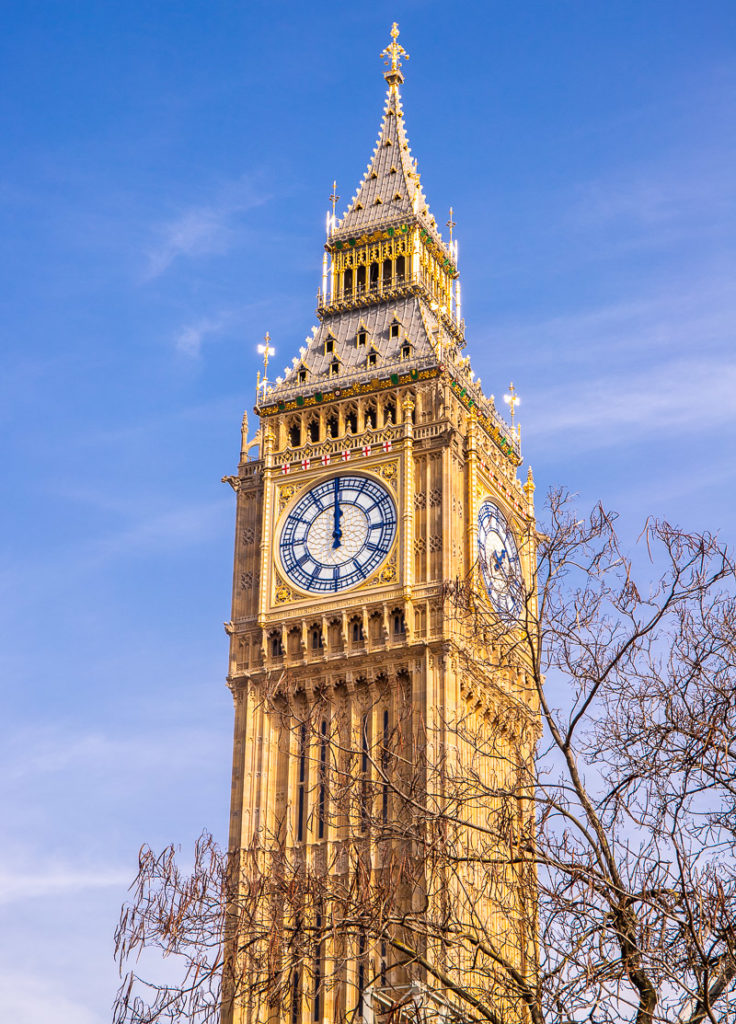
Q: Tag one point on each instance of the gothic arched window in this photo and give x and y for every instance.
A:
(276, 645)
(387, 273)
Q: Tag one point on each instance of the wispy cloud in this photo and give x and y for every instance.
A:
(649, 364)
(164, 531)
(189, 338)
(52, 880)
(151, 532)
(55, 749)
(677, 396)
(205, 229)
(683, 317)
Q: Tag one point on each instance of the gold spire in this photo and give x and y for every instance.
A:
(393, 54)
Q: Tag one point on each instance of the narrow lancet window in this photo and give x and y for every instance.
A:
(317, 970)
(322, 798)
(302, 786)
(364, 763)
(361, 975)
(384, 769)
(295, 998)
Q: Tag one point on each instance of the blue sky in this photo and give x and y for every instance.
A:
(164, 177)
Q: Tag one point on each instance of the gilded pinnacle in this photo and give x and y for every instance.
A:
(529, 489)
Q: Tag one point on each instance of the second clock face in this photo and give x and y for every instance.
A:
(338, 533)
(499, 561)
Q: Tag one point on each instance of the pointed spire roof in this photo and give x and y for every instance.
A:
(390, 191)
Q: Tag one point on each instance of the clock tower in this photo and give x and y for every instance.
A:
(380, 481)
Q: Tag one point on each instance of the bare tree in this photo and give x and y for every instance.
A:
(474, 882)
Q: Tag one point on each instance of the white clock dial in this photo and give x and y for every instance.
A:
(499, 561)
(338, 533)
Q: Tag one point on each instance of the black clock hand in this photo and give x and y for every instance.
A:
(337, 532)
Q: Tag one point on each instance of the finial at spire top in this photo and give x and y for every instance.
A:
(393, 54)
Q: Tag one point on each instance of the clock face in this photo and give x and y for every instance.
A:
(499, 561)
(338, 533)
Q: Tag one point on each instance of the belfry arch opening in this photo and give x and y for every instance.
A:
(388, 273)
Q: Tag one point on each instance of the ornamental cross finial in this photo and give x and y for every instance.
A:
(451, 223)
(512, 400)
(393, 54)
(265, 350)
(334, 198)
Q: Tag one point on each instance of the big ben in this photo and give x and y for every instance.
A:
(381, 483)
